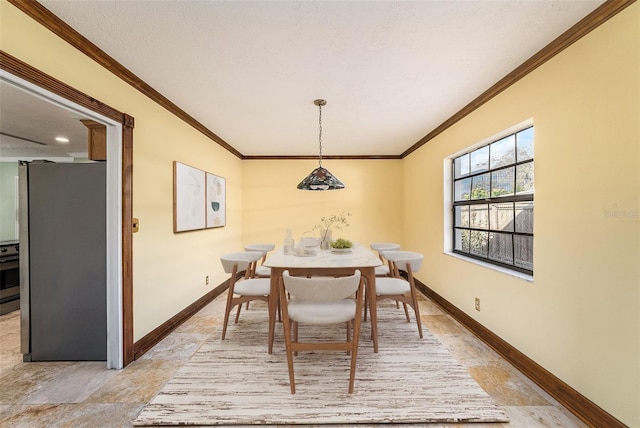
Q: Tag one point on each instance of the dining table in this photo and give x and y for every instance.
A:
(312, 261)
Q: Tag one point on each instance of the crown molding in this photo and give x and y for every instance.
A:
(46, 18)
(60, 28)
(590, 22)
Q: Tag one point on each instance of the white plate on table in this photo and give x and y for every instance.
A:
(341, 250)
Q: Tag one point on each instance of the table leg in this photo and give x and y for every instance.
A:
(276, 274)
(370, 276)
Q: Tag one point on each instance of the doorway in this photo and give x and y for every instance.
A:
(118, 217)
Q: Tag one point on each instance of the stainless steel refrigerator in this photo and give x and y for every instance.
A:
(62, 235)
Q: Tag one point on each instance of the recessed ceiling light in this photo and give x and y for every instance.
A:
(62, 139)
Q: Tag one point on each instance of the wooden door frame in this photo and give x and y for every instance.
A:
(32, 75)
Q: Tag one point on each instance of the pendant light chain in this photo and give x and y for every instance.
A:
(320, 134)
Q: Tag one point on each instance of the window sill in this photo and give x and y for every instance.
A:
(519, 275)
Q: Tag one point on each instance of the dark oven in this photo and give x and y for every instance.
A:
(9, 277)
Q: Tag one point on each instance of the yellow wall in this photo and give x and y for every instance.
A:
(272, 203)
(168, 269)
(579, 318)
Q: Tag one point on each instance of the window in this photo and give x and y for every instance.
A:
(493, 202)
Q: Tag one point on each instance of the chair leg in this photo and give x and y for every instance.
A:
(366, 305)
(406, 311)
(352, 374)
(354, 344)
(238, 313)
(286, 324)
(348, 334)
(287, 338)
(226, 313)
(416, 309)
(292, 380)
(365, 309)
(295, 335)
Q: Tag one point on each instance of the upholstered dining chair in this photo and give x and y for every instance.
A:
(321, 300)
(247, 288)
(380, 247)
(398, 288)
(261, 271)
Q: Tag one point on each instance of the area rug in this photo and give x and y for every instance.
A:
(236, 382)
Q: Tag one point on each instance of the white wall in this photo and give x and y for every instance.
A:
(8, 202)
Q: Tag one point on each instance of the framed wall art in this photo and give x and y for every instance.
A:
(189, 198)
(216, 201)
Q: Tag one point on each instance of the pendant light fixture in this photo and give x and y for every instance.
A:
(320, 178)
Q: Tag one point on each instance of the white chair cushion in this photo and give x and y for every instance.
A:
(404, 258)
(263, 271)
(315, 312)
(382, 270)
(240, 259)
(253, 287)
(381, 246)
(391, 286)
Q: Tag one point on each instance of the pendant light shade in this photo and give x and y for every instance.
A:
(320, 178)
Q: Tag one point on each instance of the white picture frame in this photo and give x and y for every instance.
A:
(189, 198)
(216, 204)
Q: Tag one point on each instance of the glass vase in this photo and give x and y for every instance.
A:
(325, 239)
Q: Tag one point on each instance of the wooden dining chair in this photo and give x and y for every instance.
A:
(380, 247)
(321, 300)
(398, 288)
(245, 289)
(261, 271)
(257, 269)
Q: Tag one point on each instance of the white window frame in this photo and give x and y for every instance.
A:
(447, 197)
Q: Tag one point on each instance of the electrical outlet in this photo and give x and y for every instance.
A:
(477, 304)
(206, 280)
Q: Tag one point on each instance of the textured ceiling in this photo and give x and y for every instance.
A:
(391, 71)
(29, 126)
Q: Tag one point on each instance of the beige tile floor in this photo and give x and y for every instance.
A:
(86, 394)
